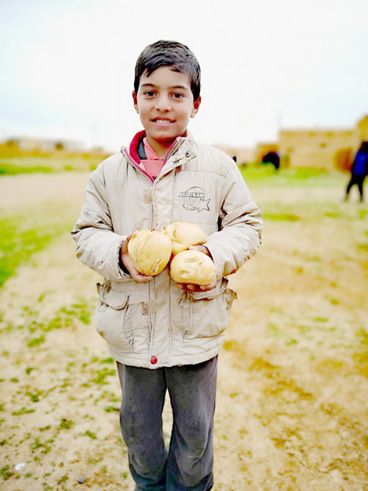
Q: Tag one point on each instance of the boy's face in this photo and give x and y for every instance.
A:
(165, 104)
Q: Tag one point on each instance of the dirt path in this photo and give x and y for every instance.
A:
(24, 191)
(293, 375)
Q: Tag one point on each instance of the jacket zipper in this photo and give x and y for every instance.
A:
(136, 166)
(151, 284)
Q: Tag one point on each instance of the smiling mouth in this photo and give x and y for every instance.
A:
(163, 121)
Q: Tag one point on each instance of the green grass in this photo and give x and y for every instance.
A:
(100, 376)
(6, 472)
(37, 341)
(288, 177)
(18, 243)
(90, 434)
(22, 410)
(44, 447)
(111, 409)
(34, 395)
(281, 216)
(22, 236)
(15, 165)
(66, 424)
(64, 318)
(13, 169)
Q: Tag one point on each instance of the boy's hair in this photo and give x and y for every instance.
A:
(172, 54)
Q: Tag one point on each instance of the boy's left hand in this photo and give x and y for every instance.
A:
(198, 288)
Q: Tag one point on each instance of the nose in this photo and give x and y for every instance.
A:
(163, 103)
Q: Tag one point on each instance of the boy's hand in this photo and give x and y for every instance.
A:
(198, 288)
(129, 266)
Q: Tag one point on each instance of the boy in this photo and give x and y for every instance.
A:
(166, 336)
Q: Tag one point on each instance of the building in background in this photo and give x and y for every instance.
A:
(243, 155)
(27, 144)
(263, 149)
(324, 148)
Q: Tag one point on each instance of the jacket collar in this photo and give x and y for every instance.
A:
(181, 150)
(132, 150)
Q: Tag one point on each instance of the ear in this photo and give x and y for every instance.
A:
(196, 105)
(135, 101)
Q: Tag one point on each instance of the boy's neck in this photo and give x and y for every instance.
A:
(161, 149)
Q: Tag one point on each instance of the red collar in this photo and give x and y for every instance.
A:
(133, 147)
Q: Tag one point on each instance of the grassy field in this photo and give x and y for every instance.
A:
(293, 375)
(14, 162)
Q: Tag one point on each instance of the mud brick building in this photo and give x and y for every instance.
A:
(325, 148)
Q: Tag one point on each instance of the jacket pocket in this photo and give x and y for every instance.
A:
(120, 319)
(206, 314)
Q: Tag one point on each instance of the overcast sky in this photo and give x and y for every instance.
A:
(66, 66)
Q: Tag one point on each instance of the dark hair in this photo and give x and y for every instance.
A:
(173, 54)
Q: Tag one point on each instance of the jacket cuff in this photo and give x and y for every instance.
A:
(124, 273)
(216, 258)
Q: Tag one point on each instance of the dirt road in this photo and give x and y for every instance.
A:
(293, 374)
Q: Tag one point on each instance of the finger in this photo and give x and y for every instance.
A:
(124, 245)
(134, 273)
(191, 287)
(141, 278)
(129, 265)
(210, 286)
(184, 286)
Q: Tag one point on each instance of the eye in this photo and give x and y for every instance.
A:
(148, 93)
(178, 95)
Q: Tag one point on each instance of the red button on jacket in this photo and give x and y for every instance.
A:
(153, 360)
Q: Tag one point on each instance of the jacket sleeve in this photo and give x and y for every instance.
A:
(97, 245)
(240, 226)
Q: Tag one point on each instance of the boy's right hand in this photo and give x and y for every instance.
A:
(129, 266)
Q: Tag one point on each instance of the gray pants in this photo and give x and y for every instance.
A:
(188, 463)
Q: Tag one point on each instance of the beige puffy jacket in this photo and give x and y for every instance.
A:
(157, 324)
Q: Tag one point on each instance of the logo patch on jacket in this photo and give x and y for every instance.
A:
(194, 199)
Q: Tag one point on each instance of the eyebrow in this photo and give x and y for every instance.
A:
(172, 87)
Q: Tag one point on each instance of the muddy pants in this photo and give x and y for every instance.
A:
(188, 463)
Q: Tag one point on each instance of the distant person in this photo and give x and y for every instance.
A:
(359, 171)
(272, 158)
